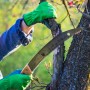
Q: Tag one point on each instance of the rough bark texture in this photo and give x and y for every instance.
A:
(76, 66)
(74, 74)
(58, 58)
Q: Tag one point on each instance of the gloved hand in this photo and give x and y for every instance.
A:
(15, 81)
(44, 11)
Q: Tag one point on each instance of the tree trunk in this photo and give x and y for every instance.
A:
(58, 57)
(73, 73)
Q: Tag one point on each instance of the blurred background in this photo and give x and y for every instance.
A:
(10, 11)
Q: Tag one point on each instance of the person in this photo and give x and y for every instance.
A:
(20, 33)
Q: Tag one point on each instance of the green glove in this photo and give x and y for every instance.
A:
(15, 82)
(44, 11)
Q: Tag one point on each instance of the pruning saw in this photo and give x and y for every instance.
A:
(47, 49)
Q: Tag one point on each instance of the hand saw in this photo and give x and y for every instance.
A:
(47, 49)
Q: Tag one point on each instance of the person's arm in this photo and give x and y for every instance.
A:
(11, 39)
(17, 34)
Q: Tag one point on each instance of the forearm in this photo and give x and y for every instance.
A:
(13, 38)
(26, 29)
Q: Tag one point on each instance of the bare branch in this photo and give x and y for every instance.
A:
(63, 1)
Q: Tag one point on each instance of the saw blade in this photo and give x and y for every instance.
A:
(50, 46)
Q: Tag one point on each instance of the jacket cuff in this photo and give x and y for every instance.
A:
(24, 39)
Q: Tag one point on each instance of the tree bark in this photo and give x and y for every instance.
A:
(73, 73)
(58, 57)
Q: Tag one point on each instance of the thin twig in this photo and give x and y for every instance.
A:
(84, 14)
(37, 86)
(23, 7)
(56, 3)
(25, 3)
(16, 2)
(63, 1)
(64, 18)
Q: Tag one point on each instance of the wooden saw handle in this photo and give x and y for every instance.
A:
(26, 70)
